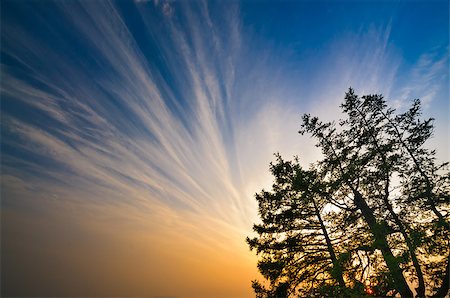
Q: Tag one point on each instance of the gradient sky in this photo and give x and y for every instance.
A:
(134, 134)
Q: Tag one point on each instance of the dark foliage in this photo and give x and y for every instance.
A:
(369, 219)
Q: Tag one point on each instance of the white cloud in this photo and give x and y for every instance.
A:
(426, 77)
(151, 155)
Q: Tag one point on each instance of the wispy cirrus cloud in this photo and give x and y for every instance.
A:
(116, 127)
(113, 140)
(364, 60)
(111, 136)
(427, 76)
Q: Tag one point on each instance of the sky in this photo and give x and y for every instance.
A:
(134, 134)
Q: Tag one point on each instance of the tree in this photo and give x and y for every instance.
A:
(378, 182)
(297, 253)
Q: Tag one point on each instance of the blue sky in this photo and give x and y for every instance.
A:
(150, 124)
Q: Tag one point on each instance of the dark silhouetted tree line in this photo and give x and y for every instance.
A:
(369, 219)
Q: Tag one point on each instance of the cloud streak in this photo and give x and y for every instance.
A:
(151, 147)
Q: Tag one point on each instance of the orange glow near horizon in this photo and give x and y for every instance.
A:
(79, 250)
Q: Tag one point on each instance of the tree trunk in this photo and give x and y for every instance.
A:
(421, 287)
(386, 166)
(429, 201)
(443, 290)
(336, 265)
(381, 243)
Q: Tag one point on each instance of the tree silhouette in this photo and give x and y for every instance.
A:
(293, 238)
(370, 218)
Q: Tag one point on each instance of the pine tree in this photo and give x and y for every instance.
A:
(374, 210)
(297, 253)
